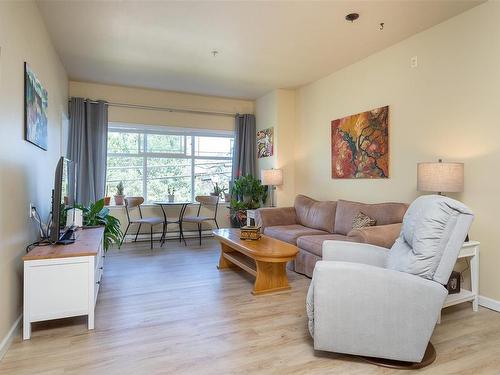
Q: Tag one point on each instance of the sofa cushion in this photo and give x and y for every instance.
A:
(432, 226)
(383, 213)
(314, 244)
(315, 214)
(290, 233)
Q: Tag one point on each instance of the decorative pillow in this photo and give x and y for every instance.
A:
(362, 221)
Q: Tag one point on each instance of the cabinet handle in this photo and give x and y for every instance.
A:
(98, 282)
(101, 268)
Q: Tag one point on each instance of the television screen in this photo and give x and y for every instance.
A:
(63, 198)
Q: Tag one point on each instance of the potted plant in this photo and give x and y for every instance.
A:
(217, 190)
(107, 198)
(171, 194)
(119, 197)
(247, 193)
(97, 215)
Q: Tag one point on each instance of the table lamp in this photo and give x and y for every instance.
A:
(272, 178)
(440, 177)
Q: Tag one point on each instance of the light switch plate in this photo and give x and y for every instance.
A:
(414, 62)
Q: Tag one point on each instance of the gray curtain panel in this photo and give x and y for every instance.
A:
(87, 146)
(245, 145)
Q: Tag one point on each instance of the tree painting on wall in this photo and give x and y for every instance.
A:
(360, 145)
(265, 143)
(35, 109)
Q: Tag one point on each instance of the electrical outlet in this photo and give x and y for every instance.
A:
(414, 62)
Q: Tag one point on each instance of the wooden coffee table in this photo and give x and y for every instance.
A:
(265, 259)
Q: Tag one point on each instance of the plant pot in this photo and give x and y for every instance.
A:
(171, 198)
(119, 199)
(227, 197)
(107, 201)
(238, 218)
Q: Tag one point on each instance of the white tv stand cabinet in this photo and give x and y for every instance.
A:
(63, 280)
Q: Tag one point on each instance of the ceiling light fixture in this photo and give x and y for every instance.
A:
(351, 17)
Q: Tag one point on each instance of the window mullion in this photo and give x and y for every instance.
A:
(214, 166)
(145, 169)
(192, 169)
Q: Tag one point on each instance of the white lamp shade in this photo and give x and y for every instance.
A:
(271, 177)
(440, 177)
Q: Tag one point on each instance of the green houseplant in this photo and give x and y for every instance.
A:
(218, 190)
(247, 193)
(119, 196)
(96, 214)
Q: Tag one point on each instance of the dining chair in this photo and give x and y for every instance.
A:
(210, 203)
(131, 205)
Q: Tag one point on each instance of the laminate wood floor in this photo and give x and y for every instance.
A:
(170, 311)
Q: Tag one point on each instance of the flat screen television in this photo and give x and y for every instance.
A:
(63, 198)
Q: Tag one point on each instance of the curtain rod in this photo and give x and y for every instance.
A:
(166, 109)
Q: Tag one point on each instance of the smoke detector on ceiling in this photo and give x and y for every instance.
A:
(351, 17)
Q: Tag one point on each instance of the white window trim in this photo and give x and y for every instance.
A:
(170, 129)
(162, 129)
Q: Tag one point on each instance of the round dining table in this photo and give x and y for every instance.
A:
(164, 204)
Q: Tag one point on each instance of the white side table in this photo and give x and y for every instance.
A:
(469, 250)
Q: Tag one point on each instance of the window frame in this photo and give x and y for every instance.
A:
(167, 130)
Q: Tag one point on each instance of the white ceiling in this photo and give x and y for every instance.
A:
(263, 45)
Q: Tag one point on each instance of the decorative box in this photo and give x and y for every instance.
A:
(453, 285)
(250, 233)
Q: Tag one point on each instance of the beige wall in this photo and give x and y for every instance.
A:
(26, 172)
(445, 108)
(277, 109)
(266, 116)
(156, 98)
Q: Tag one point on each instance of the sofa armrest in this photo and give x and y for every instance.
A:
(379, 235)
(365, 310)
(343, 251)
(272, 216)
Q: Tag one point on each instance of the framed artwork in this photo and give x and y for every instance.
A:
(35, 109)
(265, 143)
(360, 145)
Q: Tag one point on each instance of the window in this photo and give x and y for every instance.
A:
(149, 161)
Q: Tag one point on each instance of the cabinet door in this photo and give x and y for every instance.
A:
(59, 289)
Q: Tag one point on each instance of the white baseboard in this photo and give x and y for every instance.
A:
(489, 303)
(7, 340)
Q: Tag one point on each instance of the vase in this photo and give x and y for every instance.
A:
(119, 200)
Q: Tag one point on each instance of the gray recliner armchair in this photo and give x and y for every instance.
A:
(367, 301)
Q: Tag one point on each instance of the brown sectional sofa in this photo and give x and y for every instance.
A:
(311, 222)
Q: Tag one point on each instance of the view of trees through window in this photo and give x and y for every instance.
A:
(150, 162)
